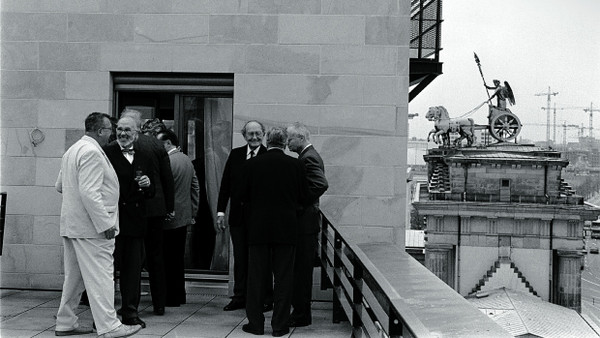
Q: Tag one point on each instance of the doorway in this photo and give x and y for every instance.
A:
(199, 109)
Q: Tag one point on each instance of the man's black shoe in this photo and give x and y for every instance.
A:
(250, 329)
(298, 323)
(267, 307)
(280, 333)
(159, 311)
(134, 321)
(235, 305)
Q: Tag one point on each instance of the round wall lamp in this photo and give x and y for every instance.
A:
(36, 136)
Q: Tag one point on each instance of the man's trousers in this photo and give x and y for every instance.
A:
(264, 261)
(129, 255)
(239, 240)
(153, 245)
(88, 266)
(303, 277)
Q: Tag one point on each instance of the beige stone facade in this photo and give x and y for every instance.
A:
(339, 66)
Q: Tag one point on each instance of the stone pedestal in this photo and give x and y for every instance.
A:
(569, 279)
(439, 259)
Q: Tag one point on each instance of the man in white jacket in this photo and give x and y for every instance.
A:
(89, 222)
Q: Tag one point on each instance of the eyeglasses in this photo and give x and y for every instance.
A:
(125, 130)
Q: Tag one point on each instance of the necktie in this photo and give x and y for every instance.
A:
(129, 151)
(251, 153)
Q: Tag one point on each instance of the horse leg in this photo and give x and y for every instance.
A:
(431, 132)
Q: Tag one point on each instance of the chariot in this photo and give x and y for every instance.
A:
(502, 125)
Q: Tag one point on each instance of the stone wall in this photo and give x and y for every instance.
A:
(340, 66)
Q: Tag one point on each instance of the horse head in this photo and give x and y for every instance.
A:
(436, 113)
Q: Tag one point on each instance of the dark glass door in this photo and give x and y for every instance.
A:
(203, 124)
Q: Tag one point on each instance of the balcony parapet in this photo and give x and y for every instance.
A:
(384, 292)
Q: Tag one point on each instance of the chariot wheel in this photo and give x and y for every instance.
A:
(505, 126)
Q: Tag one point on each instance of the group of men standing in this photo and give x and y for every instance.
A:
(274, 221)
(117, 199)
(123, 201)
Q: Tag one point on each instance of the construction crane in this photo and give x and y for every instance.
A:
(554, 122)
(591, 110)
(581, 131)
(549, 93)
(565, 126)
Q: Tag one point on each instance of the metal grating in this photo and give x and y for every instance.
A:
(425, 27)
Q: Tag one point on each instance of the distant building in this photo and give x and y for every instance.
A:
(502, 216)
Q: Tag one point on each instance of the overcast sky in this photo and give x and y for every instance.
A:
(532, 44)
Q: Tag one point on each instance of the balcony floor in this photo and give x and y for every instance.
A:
(26, 313)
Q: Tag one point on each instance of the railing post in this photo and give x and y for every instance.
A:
(338, 310)
(3, 196)
(325, 283)
(394, 324)
(357, 296)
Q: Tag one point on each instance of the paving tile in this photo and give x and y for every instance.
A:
(5, 293)
(157, 328)
(35, 319)
(17, 333)
(9, 311)
(200, 331)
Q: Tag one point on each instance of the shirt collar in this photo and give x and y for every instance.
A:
(248, 150)
(130, 147)
(303, 149)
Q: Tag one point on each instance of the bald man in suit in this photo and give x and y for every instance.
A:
(299, 142)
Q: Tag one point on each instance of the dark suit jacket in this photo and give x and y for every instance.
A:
(132, 201)
(164, 198)
(274, 188)
(231, 184)
(317, 185)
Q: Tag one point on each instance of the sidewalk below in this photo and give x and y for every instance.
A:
(26, 313)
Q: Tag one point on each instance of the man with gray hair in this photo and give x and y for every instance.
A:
(161, 206)
(299, 142)
(273, 189)
(136, 184)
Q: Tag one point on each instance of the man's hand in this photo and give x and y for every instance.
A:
(220, 225)
(170, 216)
(143, 181)
(110, 233)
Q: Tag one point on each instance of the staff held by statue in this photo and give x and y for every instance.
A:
(481, 72)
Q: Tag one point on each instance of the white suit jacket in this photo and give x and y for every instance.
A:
(90, 190)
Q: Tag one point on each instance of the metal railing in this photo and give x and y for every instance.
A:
(362, 294)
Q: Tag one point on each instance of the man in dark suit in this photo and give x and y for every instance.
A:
(229, 191)
(299, 142)
(274, 188)
(134, 169)
(158, 208)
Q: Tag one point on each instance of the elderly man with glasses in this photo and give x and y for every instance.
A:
(134, 169)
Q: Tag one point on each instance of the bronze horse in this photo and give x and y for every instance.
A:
(444, 125)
